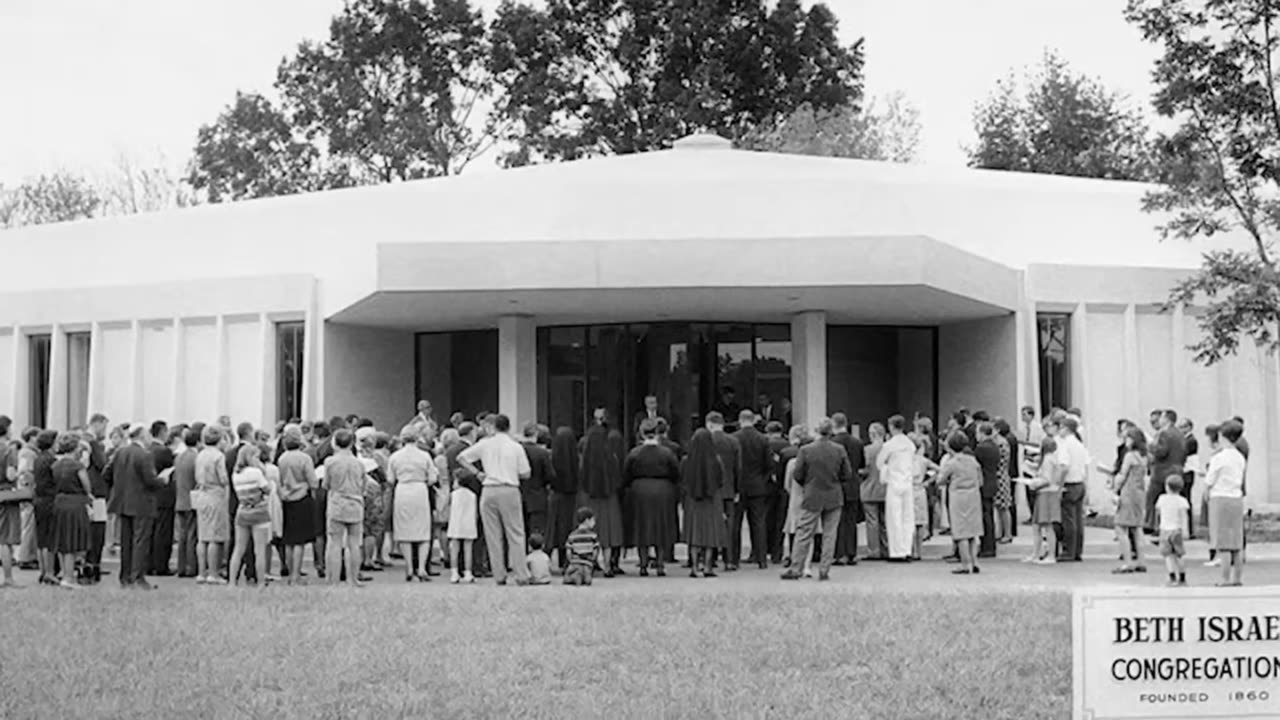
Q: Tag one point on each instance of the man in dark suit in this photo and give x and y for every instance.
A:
(133, 481)
(851, 513)
(650, 412)
(753, 501)
(730, 453)
(766, 412)
(775, 515)
(822, 470)
(1168, 457)
(1192, 447)
(534, 489)
(727, 406)
(244, 436)
(166, 502)
(987, 454)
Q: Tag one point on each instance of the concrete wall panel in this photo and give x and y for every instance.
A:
(369, 372)
(976, 366)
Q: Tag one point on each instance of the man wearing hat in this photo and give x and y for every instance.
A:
(133, 480)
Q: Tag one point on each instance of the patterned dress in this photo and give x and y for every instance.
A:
(1004, 493)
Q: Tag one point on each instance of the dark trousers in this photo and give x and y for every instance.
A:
(535, 522)
(97, 541)
(480, 550)
(753, 510)
(775, 517)
(987, 544)
(186, 543)
(1071, 529)
(162, 541)
(1188, 479)
(135, 548)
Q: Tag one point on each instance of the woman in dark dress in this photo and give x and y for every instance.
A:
(72, 529)
(705, 526)
(618, 449)
(46, 488)
(651, 474)
(601, 483)
(563, 503)
(669, 552)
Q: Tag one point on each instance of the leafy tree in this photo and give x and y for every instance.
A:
(591, 77)
(1060, 122)
(1217, 78)
(252, 151)
(891, 133)
(54, 197)
(396, 92)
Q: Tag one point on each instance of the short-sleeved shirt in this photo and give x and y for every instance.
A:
(344, 476)
(539, 564)
(1172, 509)
(1073, 456)
(504, 460)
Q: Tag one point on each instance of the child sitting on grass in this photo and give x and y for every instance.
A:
(538, 562)
(582, 546)
(1171, 509)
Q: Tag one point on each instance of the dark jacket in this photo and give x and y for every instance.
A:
(133, 481)
(730, 453)
(757, 462)
(97, 466)
(822, 469)
(533, 490)
(988, 456)
(166, 496)
(776, 448)
(1168, 455)
(459, 474)
(785, 455)
(854, 448)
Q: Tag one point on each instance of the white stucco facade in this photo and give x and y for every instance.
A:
(178, 310)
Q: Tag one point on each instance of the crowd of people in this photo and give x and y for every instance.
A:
(242, 505)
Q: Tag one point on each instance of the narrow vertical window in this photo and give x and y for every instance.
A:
(289, 368)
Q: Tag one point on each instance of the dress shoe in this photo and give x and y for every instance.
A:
(823, 575)
(791, 575)
(764, 565)
(29, 565)
(986, 554)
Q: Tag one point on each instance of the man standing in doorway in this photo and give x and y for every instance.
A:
(873, 492)
(505, 466)
(757, 469)
(650, 412)
(727, 407)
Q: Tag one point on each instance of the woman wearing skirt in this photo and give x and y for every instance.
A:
(71, 506)
(297, 483)
(1224, 484)
(651, 475)
(705, 526)
(411, 472)
(213, 514)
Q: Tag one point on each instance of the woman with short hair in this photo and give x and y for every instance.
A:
(71, 536)
(651, 476)
(297, 483)
(209, 500)
(1224, 482)
(46, 487)
(410, 474)
(962, 476)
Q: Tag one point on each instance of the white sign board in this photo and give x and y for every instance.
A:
(1165, 654)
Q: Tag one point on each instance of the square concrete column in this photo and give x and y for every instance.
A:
(56, 412)
(517, 369)
(809, 367)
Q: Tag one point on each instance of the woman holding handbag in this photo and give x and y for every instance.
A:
(72, 506)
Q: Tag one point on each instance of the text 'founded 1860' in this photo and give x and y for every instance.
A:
(1180, 653)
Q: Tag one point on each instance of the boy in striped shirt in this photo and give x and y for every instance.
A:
(582, 546)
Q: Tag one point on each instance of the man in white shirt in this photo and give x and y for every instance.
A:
(504, 464)
(1074, 461)
(896, 463)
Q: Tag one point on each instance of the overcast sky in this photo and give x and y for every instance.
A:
(86, 81)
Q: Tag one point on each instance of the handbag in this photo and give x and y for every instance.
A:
(17, 495)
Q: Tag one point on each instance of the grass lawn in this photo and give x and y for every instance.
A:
(660, 648)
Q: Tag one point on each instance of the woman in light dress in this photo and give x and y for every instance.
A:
(209, 500)
(1046, 491)
(1130, 488)
(962, 477)
(411, 472)
(1224, 483)
(798, 436)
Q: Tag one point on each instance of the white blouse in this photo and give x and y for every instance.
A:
(1225, 477)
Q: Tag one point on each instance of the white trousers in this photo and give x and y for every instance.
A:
(900, 520)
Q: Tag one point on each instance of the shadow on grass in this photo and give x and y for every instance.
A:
(534, 653)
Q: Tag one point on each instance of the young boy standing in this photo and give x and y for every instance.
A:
(1172, 510)
(582, 546)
